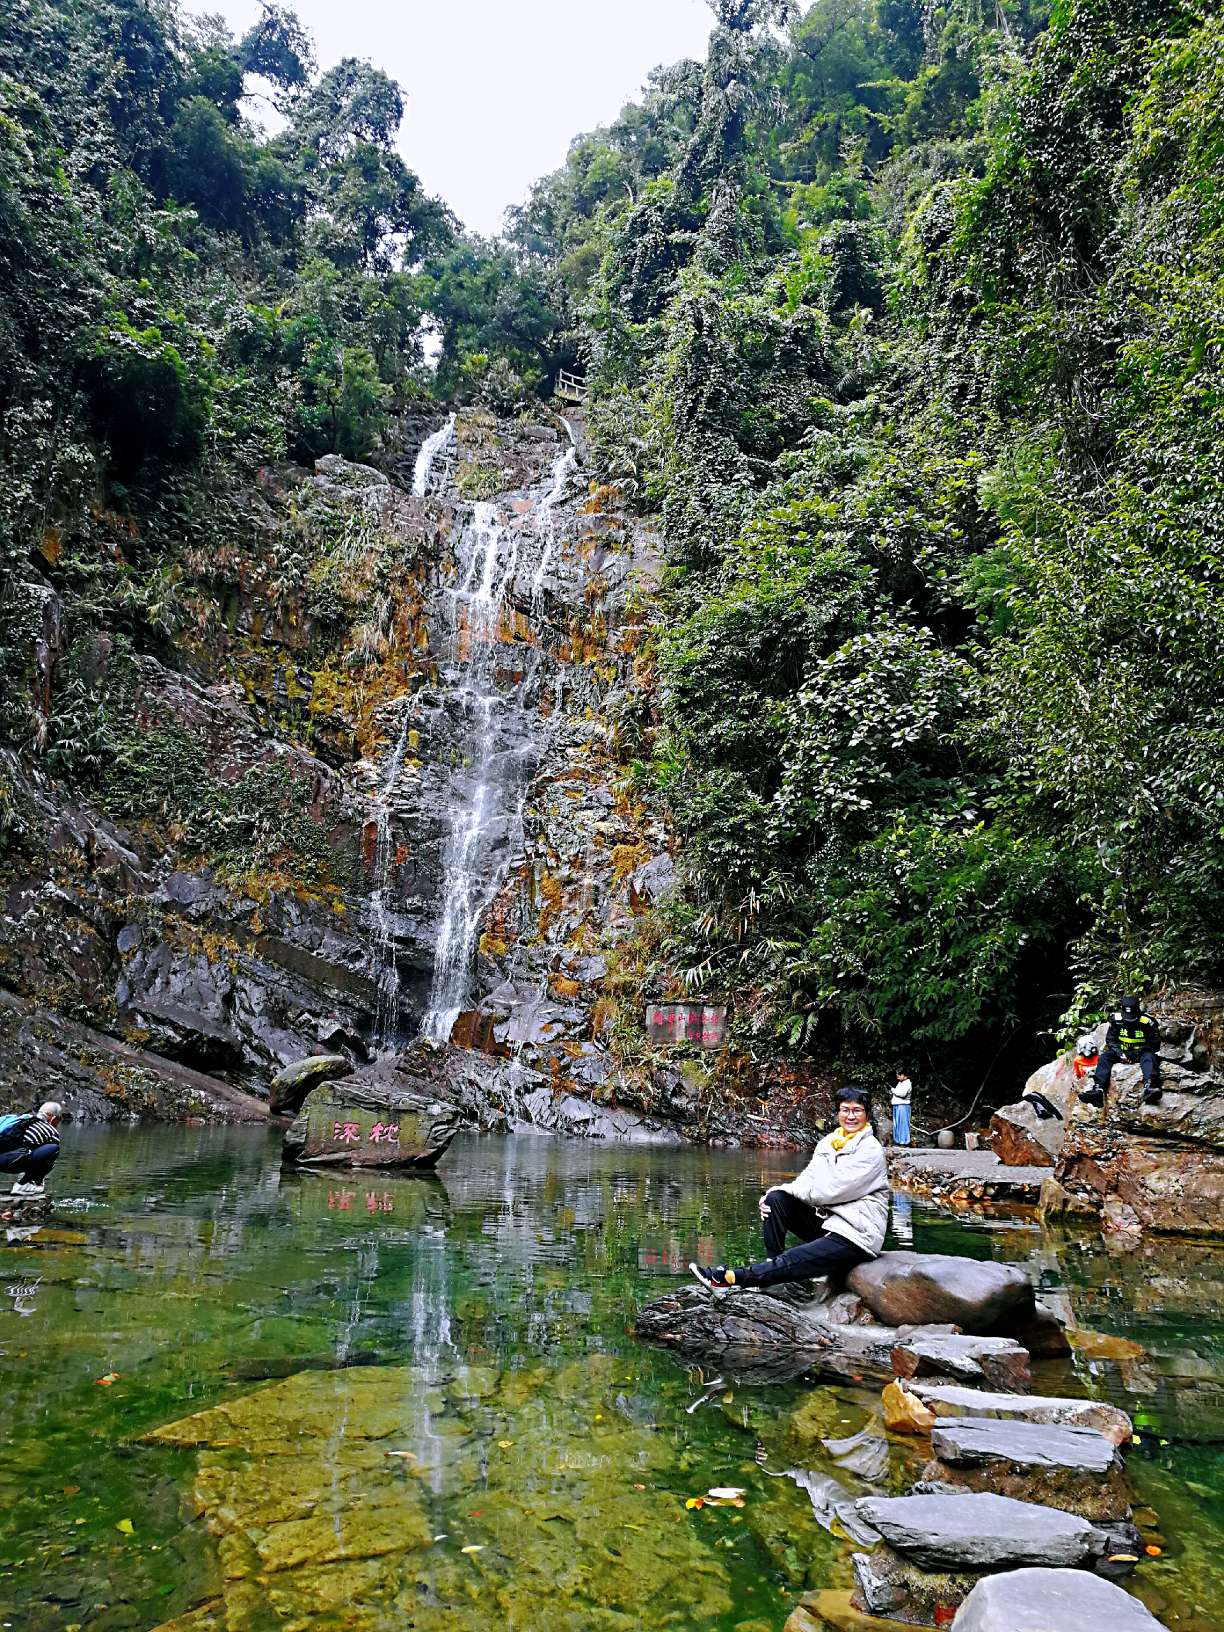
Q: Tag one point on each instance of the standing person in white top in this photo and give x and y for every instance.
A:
(902, 1094)
(837, 1208)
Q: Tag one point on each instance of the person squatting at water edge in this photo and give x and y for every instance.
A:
(29, 1146)
(837, 1207)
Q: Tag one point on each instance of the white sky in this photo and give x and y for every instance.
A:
(496, 89)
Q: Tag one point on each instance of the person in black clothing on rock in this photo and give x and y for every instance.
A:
(1133, 1038)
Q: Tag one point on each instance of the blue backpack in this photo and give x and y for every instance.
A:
(12, 1127)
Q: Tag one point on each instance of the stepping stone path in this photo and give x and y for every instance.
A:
(1075, 1469)
(980, 1531)
(998, 1361)
(972, 1441)
(1041, 1600)
(947, 1400)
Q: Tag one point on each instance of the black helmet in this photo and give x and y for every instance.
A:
(1130, 1008)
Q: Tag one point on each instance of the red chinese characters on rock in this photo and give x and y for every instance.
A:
(388, 1133)
(347, 1133)
(687, 1023)
(379, 1204)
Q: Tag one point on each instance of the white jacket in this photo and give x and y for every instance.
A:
(850, 1186)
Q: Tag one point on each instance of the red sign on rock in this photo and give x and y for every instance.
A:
(686, 1023)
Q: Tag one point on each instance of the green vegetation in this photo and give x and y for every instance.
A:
(912, 338)
(903, 318)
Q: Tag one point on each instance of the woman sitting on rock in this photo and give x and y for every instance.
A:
(837, 1207)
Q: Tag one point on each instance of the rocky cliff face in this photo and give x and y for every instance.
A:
(373, 799)
(1139, 1167)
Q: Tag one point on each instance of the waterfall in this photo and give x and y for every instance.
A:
(545, 522)
(430, 448)
(490, 817)
(383, 911)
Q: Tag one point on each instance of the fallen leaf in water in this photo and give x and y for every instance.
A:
(639, 1487)
(695, 1501)
(724, 1493)
(72, 1490)
(1152, 1550)
(1123, 1558)
(443, 1536)
(126, 1525)
(105, 1382)
(504, 1444)
(727, 1398)
(478, 1549)
(408, 1456)
(598, 1416)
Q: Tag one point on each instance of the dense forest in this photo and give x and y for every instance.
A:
(905, 319)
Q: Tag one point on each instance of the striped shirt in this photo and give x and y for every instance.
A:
(40, 1133)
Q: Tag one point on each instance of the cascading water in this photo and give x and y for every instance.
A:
(546, 524)
(490, 820)
(382, 909)
(430, 449)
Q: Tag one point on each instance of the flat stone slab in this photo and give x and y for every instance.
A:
(947, 1400)
(998, 1361)
(930, 1288)
(974, 1441)
(980, 1531)
(1042, 1600)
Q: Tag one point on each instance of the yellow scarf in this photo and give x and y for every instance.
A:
(841, 1139)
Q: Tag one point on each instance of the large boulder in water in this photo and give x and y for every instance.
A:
(1045, 1600)
(289, 1086)
(1020, 1136)
(363, 1124)
(917, 1288)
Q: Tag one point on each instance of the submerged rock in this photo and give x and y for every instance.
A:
(980, 1531)
(323, 1493)
(1044, 1600)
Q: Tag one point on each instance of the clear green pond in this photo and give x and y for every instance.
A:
(391, 1371)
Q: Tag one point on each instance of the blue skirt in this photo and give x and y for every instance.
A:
(901, 1124)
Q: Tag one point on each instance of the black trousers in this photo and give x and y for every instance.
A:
(820, 1251)
(32, 1165)
(1110, 1057)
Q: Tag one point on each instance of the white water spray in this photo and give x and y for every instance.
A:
(492, 813)
(430, 449)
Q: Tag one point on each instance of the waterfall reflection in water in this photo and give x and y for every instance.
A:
(507, 733)
(489, 1313)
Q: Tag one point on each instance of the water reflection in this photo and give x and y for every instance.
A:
(484, 1317)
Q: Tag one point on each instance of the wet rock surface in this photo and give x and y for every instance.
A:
(980, 1532)
(1051, 1600)
(888, 1584)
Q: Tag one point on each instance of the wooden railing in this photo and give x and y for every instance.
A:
(571, 387)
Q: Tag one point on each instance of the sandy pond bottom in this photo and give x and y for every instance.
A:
(241, 1399)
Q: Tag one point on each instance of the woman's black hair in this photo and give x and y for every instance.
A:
(852, 1094)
